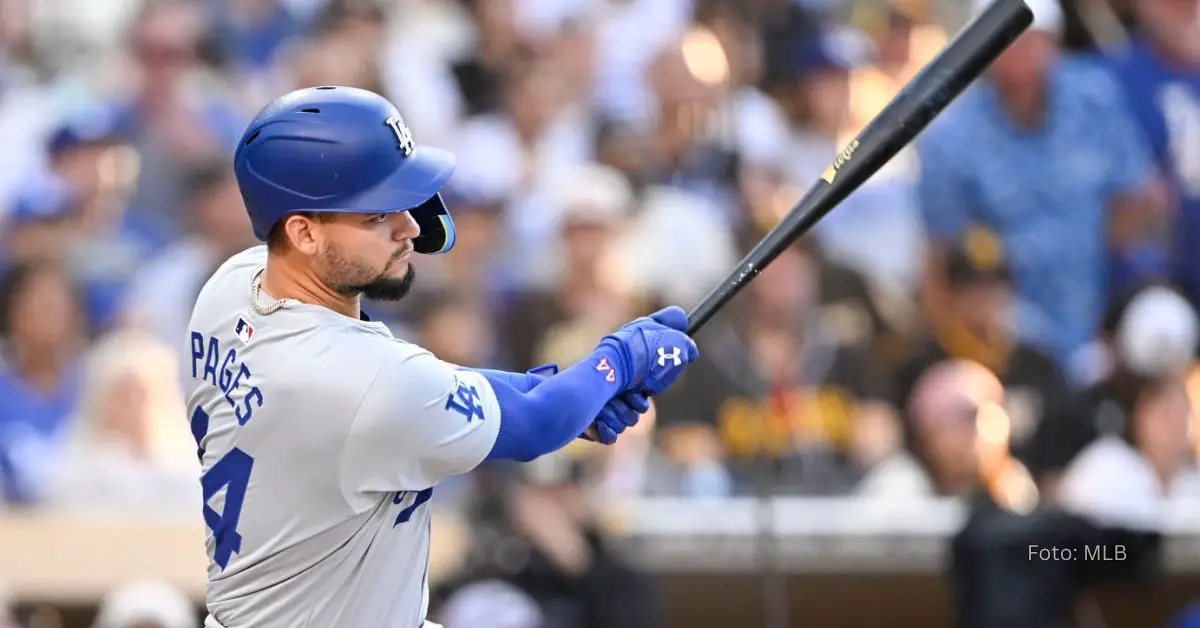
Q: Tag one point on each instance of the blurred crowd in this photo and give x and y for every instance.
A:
(1008, 306)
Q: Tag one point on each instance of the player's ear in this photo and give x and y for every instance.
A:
(300, 234)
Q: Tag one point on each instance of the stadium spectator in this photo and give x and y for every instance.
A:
(251, 33)
(1109, 460)
(41, 222)
(979, 325)
(491, 602)
(26, 111)
(145, 604)
(158, 297)
(122, 449)
(454, 330)
(877, 230)
(108, 240)
(593, 203)
(1150, 334)
(789, 379)
(529, 149)
(536, 531)
(882, 236)
(1065, 180)
(1160, 71)
(43, 336)
(352, 31)
(687, 148)
(629, 36)
(176, 115)
(669, 268)
(905, 40)
(321, 60)
(941, 430)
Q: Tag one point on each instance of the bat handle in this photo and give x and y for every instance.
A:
(704, 311)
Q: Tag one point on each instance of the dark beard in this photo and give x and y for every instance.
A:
(347, 278)
(388, 289)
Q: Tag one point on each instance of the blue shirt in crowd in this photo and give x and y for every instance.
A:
(1046, 192)
(1165, 101)
(32, 428)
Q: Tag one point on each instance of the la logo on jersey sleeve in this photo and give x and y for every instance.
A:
(465, 400)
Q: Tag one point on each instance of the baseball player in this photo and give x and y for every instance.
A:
(322, 437)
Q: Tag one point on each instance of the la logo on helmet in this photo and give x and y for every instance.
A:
(404, 138)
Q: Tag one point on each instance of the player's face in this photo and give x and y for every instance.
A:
(369, 255)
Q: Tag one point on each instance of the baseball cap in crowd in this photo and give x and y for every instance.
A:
(980, 257)
(43, 199)
(595, 194)
(92, 126)
(833, 48)
(1154, 330)
(145, 602)
(493, 603)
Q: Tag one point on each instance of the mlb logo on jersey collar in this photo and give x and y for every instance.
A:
(244, 330)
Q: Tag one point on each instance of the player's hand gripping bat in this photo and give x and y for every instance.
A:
(941, 81)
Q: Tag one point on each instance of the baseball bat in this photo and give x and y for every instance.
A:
(962, 61)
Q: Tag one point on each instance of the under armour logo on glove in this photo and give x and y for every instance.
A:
(674, 356)
(603, 366)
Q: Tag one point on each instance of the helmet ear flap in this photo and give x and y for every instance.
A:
(437, 228)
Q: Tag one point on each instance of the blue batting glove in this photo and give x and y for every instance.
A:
(621, 412)
(648, 355)
(673, 317)
(642, 358)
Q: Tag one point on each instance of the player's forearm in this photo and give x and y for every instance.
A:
(523, 382)
(555, 412)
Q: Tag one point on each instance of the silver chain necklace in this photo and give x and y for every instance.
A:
(255, 289)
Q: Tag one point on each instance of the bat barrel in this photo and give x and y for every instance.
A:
(962, 61)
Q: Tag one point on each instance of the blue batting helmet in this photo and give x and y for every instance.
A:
(341, 149)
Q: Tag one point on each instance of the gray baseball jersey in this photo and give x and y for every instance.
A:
(321, 438)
